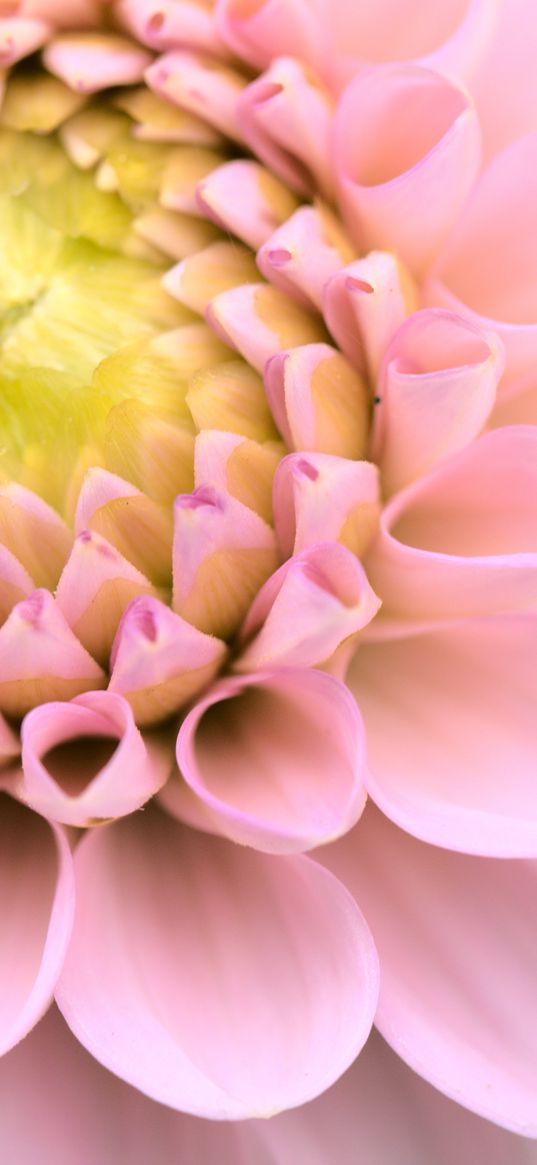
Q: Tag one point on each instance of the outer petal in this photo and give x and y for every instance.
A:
(189, 955)
(364, 304)
(452, 733)
(246, 199)
(463, 540)
(437, 388)
(318, 400)
(85, 761)
(381, 1113)
(36, 919)
(487, 270)
(277, 761)
(80, 1112)
(328, 497)
(260, 30)
(407, 151)
(456, 938)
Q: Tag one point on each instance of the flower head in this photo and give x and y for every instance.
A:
(267, 548)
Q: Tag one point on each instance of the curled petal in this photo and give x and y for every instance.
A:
(85, 761)
(304, 253)
(40, 657)
(436, 391)
(463, 539)
(283, 962)
(36, 919)
(34, 533)
(320, 496)
(201, 86)
(201, 276)
(286, 117)
(243, 468)
(149, 451)
(244, 198)
(259, 320)
(451, 930)
(20, 36)
(229, 399)
(15, 582)
(364, 304)
(222, 552)
(167, 24)
(407, 150)
(95, 587)
(260, 30)
(90, 61)
(303, 613)
(318, 400)
(275, 760)
(497, 221)
(139, 527)
(472, 787)
(159, 661)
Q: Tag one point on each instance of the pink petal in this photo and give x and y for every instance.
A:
(85, 762)
(260, 30)
(90, 61)
(9, 743)
(488, 266)
(383, 1110)
(245, 199)
(437, 389)
(259, 320)
(463, 540)
(80, 1112)
(36, 918)
(504, 84)
(222, 553)
(81, 13)
(306, 609)
(136, 525)
(407, 151)
(40, 658)
(34, 533)
(15, 582)
(19, 37)
(363, 306)
(320, 496)
(159, 662)
(167, 24)
(281, 962)
(94, 589)
(303, 254)
(276, 759)
(285, 117)
(200, 85)
(452, 735)
(456, 938)
(318, 400)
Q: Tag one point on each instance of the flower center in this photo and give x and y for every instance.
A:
(73, 293)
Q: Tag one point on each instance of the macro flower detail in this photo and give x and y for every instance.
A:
(268, 555)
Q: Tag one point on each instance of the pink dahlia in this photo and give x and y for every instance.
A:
(268, 552)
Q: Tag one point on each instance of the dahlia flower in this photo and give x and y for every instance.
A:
(268, 552)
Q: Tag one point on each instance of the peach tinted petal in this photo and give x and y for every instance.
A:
(15, 582)
(306, 609)
(89, 61)
(452, 734)
(95, 587)
(276, 758)
(34, 533)
(436, 391)
(85, 761)
(488, 266)
(407, 151)
(364, 304)
(463, 539)
(139, 527)
(40, 658)
(456, 939)
(320, 496)
(246, 199)
(259, 320)
(37, 913)
(304, 253)
(159, 661)
(283, 961)
(80, 1112)
(200, 85)
(318, 400)
(394, 1117)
